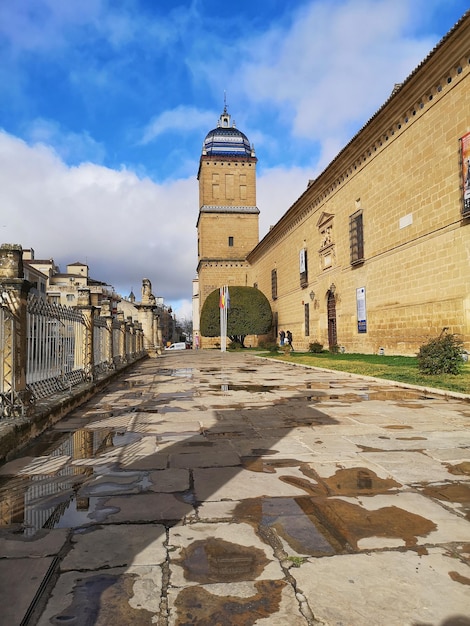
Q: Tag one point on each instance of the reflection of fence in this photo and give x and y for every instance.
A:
(49, 348)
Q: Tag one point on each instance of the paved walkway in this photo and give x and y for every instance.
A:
(221, 489)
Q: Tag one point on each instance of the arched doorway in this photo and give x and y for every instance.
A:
(331, 309)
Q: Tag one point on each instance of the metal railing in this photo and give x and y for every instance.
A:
(60, 347)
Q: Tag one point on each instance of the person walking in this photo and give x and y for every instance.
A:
(289, 339)
(282, 337)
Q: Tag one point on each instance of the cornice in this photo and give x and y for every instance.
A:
(447, 64)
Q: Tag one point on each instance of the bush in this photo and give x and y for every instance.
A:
(442, 355)
(269, 346)
(334, 349)
(315, 347)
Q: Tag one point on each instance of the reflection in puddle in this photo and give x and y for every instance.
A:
(247, 388)
(32, 500)
(103, 599)
(215, 560)
(294, 520)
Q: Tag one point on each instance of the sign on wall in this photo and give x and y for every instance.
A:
(302, 264)
(465, 156)
(361, 310)
(303, 267)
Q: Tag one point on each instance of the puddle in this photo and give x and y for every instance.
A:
(354, 522)
(461, 469)
(458, 493)
(215, 561)
(103, 599)
(457, 577)
(248, 388)
(30, 500)
(267, 466)
(125, 438)
(357, 481)
(294, 520)
(196, 606)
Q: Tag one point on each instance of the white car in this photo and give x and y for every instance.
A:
(181, 345)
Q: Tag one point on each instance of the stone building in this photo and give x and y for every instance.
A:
(374, 256)
(63, 287)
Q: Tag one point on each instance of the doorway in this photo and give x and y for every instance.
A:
(331, 308)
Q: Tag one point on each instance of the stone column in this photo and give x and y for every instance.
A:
(14, 291)
(122, 337)
(106, 313)
(146, 313)
(87, 310)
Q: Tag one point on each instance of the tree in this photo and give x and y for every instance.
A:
(249, 314)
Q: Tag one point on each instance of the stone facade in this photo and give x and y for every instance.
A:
(375, 255)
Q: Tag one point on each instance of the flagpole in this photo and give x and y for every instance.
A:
(223, 306)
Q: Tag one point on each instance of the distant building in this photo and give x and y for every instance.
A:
(62, 288)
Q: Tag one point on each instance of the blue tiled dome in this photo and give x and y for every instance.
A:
(226, 140)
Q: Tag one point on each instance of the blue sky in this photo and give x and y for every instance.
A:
(104, 105)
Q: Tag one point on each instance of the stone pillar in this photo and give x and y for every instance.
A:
(106, 313)
(130, 347)
(87, 310)
(146, 313)
(14, 291)
(122, 337)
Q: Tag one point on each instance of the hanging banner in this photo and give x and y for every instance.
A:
(465, 156)
(302, 261)
(361, 310)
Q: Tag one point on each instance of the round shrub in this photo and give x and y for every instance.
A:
(441, 355)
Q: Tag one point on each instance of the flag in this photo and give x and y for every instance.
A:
(224, 298)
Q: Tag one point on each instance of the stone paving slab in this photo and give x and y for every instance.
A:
(226, 483)
(20, 579)
(41, 544)
(206, 488)
(409, 467)
(147, 507)
(103, 547)
(383, 588)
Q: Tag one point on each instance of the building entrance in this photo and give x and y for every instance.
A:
(331, 307)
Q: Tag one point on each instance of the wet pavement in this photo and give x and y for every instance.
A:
(216, 489)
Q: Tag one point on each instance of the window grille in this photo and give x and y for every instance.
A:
(274, 284)
(356, 238)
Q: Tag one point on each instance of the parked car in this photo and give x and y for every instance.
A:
(180, 345)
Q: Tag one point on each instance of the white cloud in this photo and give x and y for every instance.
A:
(182, 119)
(277, 189)
(125, 228)
(333, 66)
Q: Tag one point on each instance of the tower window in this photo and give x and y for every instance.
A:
(230, 242)
(274, 284)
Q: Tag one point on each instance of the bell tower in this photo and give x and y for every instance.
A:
(228, 221)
